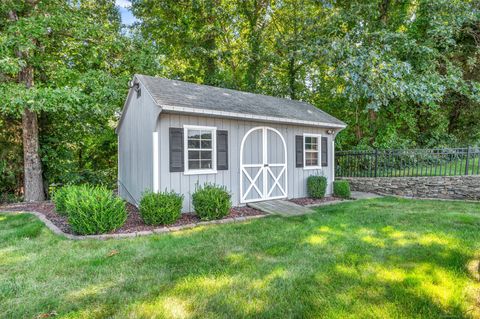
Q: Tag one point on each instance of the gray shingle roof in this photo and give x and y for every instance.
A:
(182, 95)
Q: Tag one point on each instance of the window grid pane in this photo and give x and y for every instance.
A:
(312, 153)
(311, 158)
(200, 149)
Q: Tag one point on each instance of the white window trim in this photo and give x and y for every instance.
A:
(213, 129)
(319, 151)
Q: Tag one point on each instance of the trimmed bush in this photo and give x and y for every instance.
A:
(341, 189)
(316, 186)
(160, 208)
(211, 202)
(59, 198)
(94, 210)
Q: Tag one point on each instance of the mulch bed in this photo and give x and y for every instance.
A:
(304, 201)
(134, 222)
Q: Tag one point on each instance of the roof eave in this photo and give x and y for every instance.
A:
(252, 117)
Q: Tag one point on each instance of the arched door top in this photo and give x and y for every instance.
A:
(263, 165)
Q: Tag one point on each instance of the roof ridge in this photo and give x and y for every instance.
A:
(229, 89)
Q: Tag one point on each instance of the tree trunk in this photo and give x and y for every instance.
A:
(254, 64)
(254, 41)
(373, 125)
(384, 7)
(210, 45)
(358, 128)
(33, 180)
(291, 79)
(32, 165)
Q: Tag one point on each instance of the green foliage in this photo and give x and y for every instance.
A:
(76, 53)
(94, 210)
(160, 208)
(211, 201)
(341, 189)
(10, 159)
(59, 197)
(316, 186)
(399, 73)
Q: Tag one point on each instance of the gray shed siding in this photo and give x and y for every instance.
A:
(135, 146)
(185, 184)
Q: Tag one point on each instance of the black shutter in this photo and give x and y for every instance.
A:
(299, 151)
(324, 151)
(176, 149)
(222, 150)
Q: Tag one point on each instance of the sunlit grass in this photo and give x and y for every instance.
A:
(383, 258)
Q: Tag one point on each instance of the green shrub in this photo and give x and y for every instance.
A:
(316, 186)
(341, 189)
(160, 208)
(94, 210)
(59, 198)
(211, 202)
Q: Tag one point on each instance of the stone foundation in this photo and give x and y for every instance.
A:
(443, 187)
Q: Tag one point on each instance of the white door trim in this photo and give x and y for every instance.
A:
(264, 169)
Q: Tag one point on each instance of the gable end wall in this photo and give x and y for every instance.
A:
(135, 151)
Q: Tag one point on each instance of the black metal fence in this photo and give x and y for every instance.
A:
(408, 162)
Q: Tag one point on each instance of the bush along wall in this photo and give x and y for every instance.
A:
(316, 186)
(211, 201)
(160, 208)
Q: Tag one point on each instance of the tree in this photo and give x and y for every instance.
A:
(400, 73)
(402, 54)
(186, 34)
(253, 17)
(46, 48)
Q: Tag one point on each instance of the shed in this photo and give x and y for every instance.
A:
(174, 135)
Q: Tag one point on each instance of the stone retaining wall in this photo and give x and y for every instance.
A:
(444, 187)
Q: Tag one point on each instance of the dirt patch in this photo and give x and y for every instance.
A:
(134, 221)
(304, 201)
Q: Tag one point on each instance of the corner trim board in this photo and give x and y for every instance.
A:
(156, 157)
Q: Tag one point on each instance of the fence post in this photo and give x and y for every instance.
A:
(376, 162)
(467, 161)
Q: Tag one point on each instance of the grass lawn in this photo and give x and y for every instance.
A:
(384, 258)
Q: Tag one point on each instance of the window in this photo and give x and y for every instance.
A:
(311, 151)
(200, 149)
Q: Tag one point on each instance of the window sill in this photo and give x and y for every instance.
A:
(311, 167)
(200, 172)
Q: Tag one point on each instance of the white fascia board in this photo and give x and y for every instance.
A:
(124, 110)
(190, 110)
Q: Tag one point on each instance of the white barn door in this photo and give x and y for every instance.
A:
(263, 165)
